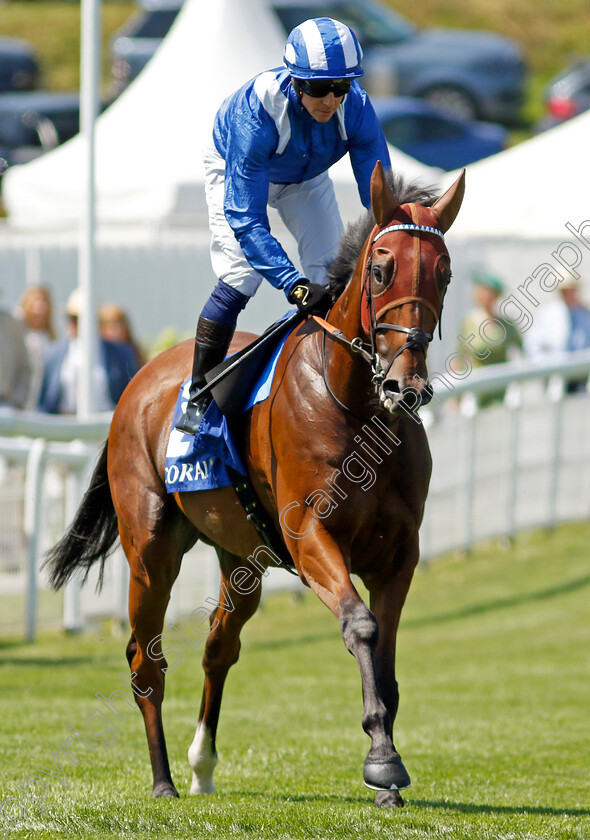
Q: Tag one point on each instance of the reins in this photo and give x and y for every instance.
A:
(339, 337)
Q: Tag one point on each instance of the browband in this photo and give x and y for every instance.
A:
(408, 227)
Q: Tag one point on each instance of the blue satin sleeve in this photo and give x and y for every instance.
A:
(367, 146)
(249, 149)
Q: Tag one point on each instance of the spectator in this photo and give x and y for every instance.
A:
(579, 326)
(15, 368)
(549, 332)
(35, 310)
(561, 326)
(115, 366)
(491, 339)
(114, 325)
(579, 316)
(498, 342)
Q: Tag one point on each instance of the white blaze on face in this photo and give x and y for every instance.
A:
(202, 758)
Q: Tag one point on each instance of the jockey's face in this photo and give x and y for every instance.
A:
(322, 109)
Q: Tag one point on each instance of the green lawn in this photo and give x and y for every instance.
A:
(53, 27)
(493, 725)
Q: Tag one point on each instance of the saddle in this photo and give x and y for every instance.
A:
(231, 391)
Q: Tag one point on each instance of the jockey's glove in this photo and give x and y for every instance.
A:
(311, 298)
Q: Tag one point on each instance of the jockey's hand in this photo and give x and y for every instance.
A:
(311, 298)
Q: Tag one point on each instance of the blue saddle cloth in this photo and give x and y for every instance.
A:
(198, 462)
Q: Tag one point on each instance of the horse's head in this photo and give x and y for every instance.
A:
(405, 274)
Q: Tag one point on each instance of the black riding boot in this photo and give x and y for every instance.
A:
(211, 343)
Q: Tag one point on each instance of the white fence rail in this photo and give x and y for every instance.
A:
(512, 466)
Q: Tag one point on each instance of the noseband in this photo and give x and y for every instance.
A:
(418, 339)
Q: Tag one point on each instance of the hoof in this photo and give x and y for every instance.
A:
(386, 775)
(165, 789)
(389, 799)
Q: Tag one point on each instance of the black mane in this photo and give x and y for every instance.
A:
(341, 268)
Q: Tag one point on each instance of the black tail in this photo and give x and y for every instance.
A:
(92, 534)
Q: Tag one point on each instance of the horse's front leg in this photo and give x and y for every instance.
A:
(324, 566)
(388, 594)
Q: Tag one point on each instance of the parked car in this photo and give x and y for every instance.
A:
(476, 74)
(136, 42)
(567, 95)
(33, 122)
(19, 68)
(434, 136)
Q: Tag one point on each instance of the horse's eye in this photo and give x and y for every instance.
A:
(443, 285)
(377, 274)
(443, 274)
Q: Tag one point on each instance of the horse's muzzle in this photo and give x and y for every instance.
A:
(407, 400)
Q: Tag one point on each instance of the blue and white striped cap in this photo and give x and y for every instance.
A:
(323, 48)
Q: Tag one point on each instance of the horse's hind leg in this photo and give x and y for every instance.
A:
(221, 652)
(154, 563)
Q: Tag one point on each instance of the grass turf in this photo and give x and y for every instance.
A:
(493, 724)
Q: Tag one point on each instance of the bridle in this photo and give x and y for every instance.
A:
(417, 339)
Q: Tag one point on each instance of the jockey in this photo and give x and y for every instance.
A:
(274, 140)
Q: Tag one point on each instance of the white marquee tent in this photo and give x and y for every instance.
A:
(149, 145)
(513, 218)
(532, 189)
(518, 203)
(149, 142)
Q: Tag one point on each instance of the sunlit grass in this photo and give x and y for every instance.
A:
(53, 28)
(493, 669)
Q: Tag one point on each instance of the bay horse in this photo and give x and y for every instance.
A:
(337, 456)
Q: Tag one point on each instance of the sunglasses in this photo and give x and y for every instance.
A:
(318, 88)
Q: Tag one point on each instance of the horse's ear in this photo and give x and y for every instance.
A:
(449, 204)
(383, 200)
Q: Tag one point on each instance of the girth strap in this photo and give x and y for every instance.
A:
(259, 518)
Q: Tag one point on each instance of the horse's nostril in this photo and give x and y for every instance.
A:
(391, 387)
(426, 396)
(413, 399)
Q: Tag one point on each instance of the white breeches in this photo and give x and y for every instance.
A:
(308, 210)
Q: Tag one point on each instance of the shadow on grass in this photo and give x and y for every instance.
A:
(295, 641)
(16, 643)
(47, 662)
(461, 807)
(500, 603)
(412, 623)
(471, 808)
(303, 797)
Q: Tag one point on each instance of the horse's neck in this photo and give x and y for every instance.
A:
(346, 312)
(348, 374)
